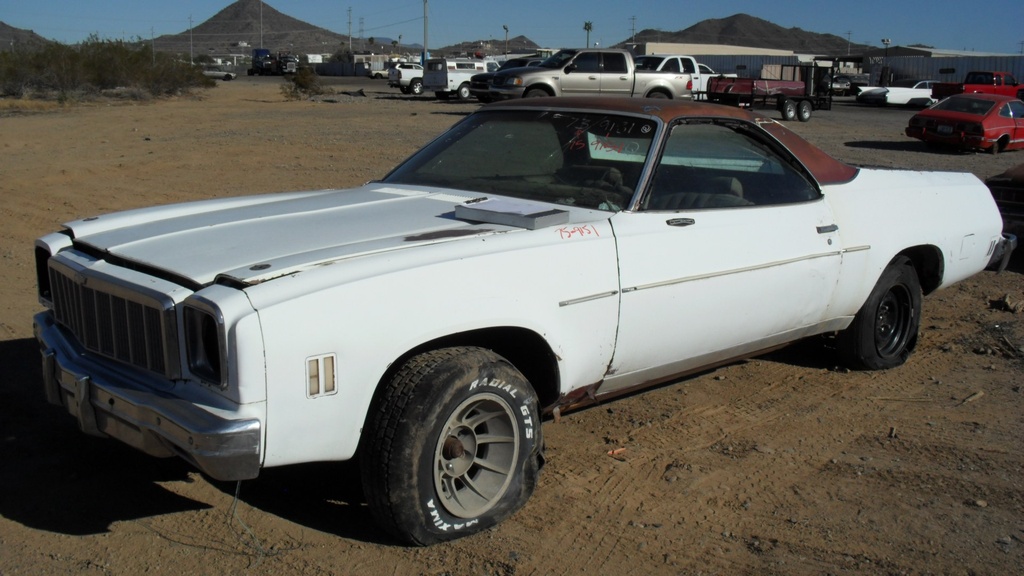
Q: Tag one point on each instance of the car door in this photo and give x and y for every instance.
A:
(616, 79)
(732, 250)
(584, 75)
(1015, 109)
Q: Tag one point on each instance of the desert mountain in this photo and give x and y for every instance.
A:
(247, 24)
(744, 30)
(12, 38)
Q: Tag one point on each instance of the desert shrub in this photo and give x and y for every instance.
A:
(95, 66)
(303, 84)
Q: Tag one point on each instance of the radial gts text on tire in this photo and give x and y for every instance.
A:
(452, 446)
(884, 331)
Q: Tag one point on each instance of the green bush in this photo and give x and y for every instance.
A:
(94, 66)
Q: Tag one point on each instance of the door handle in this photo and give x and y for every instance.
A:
(827, 229)
(680, 222)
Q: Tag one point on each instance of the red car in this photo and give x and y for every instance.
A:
(972, 122)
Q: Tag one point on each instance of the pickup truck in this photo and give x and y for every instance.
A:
(698, 73)
(985, 82)
(589, 72)
(407, 77)
(447, 77)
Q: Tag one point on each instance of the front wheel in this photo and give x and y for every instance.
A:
(536, 93)
(416, 87)
(452, 446)
(884, 331)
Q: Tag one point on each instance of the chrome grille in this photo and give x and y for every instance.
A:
(112, 321)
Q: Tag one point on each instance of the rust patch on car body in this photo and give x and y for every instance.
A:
(446, 234)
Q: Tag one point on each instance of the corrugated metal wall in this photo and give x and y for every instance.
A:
(945, 69)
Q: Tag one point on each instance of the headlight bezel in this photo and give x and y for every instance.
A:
(205, 342)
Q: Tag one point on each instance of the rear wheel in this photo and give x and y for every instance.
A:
(884, 331)
(788, 109)
(452, 446)
(803, 110)
(463, 92)
(999, 145)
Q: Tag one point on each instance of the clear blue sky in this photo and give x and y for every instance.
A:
(991, 26)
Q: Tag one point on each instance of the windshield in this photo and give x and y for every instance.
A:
(566, 158)
(966, 105)
(558, 59)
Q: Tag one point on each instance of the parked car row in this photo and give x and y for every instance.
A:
(585, 71)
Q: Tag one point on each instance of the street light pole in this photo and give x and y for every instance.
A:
(506, 38)
(885, 63)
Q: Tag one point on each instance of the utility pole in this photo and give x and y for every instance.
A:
(588, 27)
(505, 26)
(261, 23)
(190, 39)
(426, 51)
(152, 44)
(632, 30)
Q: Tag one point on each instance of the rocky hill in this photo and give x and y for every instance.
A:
(12, 38)
(246, 24)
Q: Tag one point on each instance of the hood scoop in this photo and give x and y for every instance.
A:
(506, 212)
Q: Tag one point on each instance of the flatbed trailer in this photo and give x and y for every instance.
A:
(809, 89)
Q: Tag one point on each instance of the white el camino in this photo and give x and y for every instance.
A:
(540, 255)
(900, 93)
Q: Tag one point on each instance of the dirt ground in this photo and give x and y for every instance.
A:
(778, 465)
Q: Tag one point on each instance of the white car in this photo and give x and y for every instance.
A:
(900, 93)
(218, 73)
(539, 256)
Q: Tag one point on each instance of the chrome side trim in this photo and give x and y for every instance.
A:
(732, 271)
(588, 298)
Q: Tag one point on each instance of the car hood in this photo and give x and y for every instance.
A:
(258, 238)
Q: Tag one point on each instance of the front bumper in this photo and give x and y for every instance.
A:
(109, 400)
(507, 92)
(955, 138)
(1002, 252)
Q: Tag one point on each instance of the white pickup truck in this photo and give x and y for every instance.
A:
(586, 72)
(451, 76)
(697, 74)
